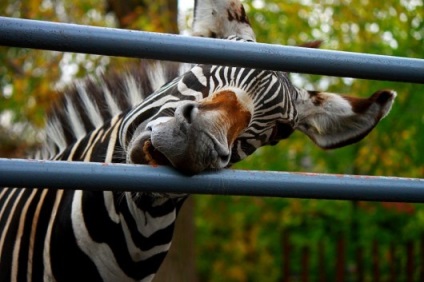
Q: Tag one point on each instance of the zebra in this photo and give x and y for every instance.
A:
(206, 117)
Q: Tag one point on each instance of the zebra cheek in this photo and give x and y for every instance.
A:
(239, 123)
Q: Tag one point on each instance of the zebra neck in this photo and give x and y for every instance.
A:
(132, 227)
(100, 145)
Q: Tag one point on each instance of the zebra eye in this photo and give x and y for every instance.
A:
(306, 126)
(310, 128)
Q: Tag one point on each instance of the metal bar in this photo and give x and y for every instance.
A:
(117, 42)
(120, 177)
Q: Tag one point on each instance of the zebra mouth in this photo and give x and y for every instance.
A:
(152, 155)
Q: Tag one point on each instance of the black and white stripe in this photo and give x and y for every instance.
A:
(63, 235)
(69, 235)
(270, 92)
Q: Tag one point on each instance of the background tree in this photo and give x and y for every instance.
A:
(247, 232)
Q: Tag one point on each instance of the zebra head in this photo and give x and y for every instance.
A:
(214, 116)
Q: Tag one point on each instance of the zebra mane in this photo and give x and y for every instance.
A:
(89, 104)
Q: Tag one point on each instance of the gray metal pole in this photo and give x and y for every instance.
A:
(117, 42)
(119, 177)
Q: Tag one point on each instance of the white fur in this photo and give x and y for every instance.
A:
(91, 108)
(337, 105)
(20, 232)
(183, 89)
(156, 74)
(100, 253)
(74, 119)
(198, 72)
(109, 201)
(36, 216)
(154, 224)
(54, 132)
(110, 100)
(48, 274)
(132, 90)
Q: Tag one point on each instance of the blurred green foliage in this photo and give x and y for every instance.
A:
(239, 238)
(30, 79)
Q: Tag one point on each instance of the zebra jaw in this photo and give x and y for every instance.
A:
(198, 137)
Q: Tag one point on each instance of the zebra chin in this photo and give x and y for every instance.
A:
(145, 151)
(142, 151)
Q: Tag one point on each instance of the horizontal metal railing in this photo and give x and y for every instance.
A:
(116, 42)
(130, 43)
(143, 178)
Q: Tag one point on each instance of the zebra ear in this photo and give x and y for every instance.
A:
(333, 121)
(221, 19)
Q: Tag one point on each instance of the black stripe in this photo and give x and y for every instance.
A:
(191, 81)
(69, 263)
(43, 222)
(10, 238)
(23, 252)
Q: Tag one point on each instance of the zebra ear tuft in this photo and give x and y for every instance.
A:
(221, 19)
(334, 121)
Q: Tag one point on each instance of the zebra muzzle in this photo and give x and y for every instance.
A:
(153, 156)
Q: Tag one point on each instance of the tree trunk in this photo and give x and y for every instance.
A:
(410, 261)
(286, 250)
(306, 252)
(322, 264)
(340, 259)
(179, 264)
(375, 260)
(158, 15)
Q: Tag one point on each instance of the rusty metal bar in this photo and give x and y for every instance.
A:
(129, 43)
(139, 178)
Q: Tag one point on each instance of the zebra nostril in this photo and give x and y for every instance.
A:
(188, 112)
(224, 158)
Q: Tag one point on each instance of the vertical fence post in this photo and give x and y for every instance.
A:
(305, 264)
(421, 265)
(340, 258)
(359, 257)
(392, 261)
(375, 261)
(409, 261)
(322, 277)
(286, 248)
